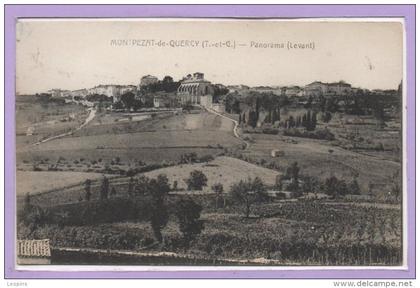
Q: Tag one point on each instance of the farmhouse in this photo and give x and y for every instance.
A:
(33, 252)
(277, 153)
(193, 87)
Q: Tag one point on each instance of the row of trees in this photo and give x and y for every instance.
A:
(187, 211)
(358, 103)
(300, 184)
(307, 120)
(243, 192)
(142, 185)
(167, 84)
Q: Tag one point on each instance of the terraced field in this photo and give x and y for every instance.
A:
(151, 140)
(310, 153)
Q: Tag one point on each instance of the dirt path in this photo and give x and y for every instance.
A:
(92, 113)
(235, 128)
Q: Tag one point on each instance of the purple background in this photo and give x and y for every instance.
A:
(12, 12)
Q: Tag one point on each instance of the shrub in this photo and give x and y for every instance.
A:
(206, 158)
(188, 158)
(197, 180)
(248, 193)
(322, 134)
(271, 131)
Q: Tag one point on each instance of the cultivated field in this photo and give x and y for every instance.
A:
(225, 170)
(280, 233)
(319, 158)
(297, 231)
(37, 182)
(150, 141)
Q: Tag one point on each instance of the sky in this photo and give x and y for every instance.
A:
(74, 53)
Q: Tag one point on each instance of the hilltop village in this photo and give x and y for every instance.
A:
(211, 173)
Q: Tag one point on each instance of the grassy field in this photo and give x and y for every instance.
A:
(150, 141)
(116, 123)
(46, 119)
(36, 182)
(224, 170)
(320, 159)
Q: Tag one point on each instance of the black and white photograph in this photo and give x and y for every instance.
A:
(210, 142)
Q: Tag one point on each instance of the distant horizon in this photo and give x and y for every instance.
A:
(227, 85)
(74, 54)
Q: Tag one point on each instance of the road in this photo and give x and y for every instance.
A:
(235, 128)
(92, 113)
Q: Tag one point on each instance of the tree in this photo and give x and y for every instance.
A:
(218, 190)
(292, 172)
(118, 105)
(104, 188)
(167, 79)
(334, 187)
(188, 214)
(128, 99)
(197, 180)
(175, 185)
(142, 186)
(232, 103)
(326, 117)
(253, 119)
(248, 193)
(312, 125)
(279, 182)
(88, 194)
(396, 186)
(158, 189)
(305, 120)
(310, 185)
(353, 187)
(131, 187)
(27, 203)
(189, 158)
(113, 192)
(331, 105)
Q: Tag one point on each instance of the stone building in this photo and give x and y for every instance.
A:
(107, 90)
(114, 91)
(147, 80)
(318, 88)
(56, 93)
(31, 252)
(193, 87)
(293, 91)
(79, 93)
(339, 88)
